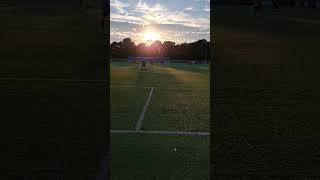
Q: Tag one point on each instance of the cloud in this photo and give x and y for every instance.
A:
(144, 13)
(126, 18)
(171, 17)
(175, 20)
(119, 5)
(143, 7)
(168, 32)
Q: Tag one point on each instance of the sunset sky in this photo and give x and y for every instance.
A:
(148, 20)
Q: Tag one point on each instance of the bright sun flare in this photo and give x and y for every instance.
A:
(151, 36)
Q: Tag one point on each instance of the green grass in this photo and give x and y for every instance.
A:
(182, 110)
(123, 74)
(180, 102)
(127, 105)
(162, 76)
(154, 157)
(265, 86)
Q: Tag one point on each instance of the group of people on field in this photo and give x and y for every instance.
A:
(144, 65)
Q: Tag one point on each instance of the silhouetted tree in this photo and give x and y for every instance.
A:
(168, 47)
(142, 50)
(199, 50)
(116, 49)
(127, 47)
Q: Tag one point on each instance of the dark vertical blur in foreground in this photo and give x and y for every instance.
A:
(265, 91)
(53, 121)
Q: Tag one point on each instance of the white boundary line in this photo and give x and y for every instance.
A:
(203, 68)
(140, 121)
(160, 132)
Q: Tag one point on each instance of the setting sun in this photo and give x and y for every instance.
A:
(151, 36)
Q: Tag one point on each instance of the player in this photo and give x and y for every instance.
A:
(151, 65)
(144, 66)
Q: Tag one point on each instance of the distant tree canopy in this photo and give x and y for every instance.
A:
(199, 50)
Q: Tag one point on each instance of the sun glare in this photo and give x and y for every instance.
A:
(151, 36)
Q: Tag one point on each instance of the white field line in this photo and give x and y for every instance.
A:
(160, 132)
(140, 121)
(53, 79)
(203, 68)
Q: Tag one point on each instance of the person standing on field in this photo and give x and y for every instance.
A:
(144, 66)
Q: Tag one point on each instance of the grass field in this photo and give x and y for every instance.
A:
(51, 126)
(265, 90)
(180, 102)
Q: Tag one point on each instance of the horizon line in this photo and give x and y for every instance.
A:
(160, 41)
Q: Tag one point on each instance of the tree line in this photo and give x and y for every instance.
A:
(199, 50)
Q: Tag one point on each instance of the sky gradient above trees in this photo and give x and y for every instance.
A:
(181, 21)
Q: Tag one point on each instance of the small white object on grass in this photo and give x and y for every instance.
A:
(175, 149)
